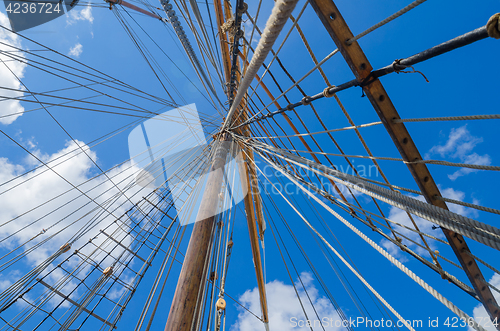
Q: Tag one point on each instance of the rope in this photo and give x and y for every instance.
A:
(393, 260)
(439, 162)
(450, 118)
(295, 23)
(470, 205)
(227, 26)
(493, 26)
(325, 131)
(374, 228)
(281, 11)
(306, 101)
(484, 263)
(457, 202)
(176, 25)
(361, 278)
(473, 229)
(462, 165)
(387, 20)
(338, 203)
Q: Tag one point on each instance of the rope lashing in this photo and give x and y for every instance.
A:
(493, 26)
(228, 25)
(326, 92)
(399, 68)
(306, 100)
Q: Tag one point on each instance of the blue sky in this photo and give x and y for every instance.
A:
(460, 83)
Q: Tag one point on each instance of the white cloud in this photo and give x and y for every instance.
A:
(54, 223)
(42, 185)
(80, 15)
(480, 314)
(9, 69)
(473, 158)
(284, 306)
(459, 146)
(76, 50)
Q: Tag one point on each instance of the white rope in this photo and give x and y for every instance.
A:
(484, 263)
(470, 205)
(383, 158)
(281, 11)
(342, 258)
(462, 165)
(457, 202)
(320, 132)
(388, 256)
(448, 118)
(387, 20)
(284, 40)
(455, 280)
(399, 120)
(481, 232)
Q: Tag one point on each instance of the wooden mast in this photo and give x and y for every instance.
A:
(191, 281)
(193, 274)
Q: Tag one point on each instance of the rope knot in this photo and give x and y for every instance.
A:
(306, 100)
(400, 68)
(493, 26)
(228, 25)
(397, 66)
(326, 92)
(243, 9)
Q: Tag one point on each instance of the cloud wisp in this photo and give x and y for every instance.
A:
(11, 71)
(459, 146)
(76, 50)
(84, 14)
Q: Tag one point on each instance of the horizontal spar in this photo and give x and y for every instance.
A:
(396, 66)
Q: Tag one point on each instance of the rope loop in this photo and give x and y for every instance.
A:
(493, 26)
(243, 9)
(326, 92)
(399, 68)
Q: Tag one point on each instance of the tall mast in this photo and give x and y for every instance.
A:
(191, 281)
